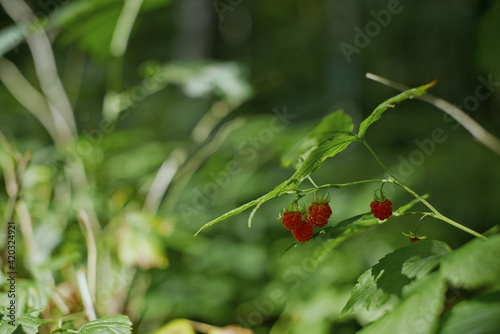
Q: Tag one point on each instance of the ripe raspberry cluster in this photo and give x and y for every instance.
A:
(381, 210)
(301, 223)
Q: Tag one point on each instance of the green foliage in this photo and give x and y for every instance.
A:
(329, 126)
(393, 272)
(157, 132)
(116, 324)
(418, 311)
(480, 314)
(377, 113)
(28, 322)
(330, 137)
(473, 265)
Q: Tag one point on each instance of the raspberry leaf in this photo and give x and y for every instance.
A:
(480, 314)
(28, 322)
(393, 272)
(418, 311)
(473, 265)
(379, 110)
(336, 122)
(115, 324)
(327, 149)
(283, 187)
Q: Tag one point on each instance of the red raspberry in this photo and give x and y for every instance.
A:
(303, 233)
(292, 220)
(319, 214)
(381, 210)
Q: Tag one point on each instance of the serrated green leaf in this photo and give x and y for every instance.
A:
(333, 123)
(283, 187)
(379, 110)
(28, 322)
(418, 312)
(364, 294)
(393, 272)
(479, 315)
(115, 324)
(32, 295)
(473, 265)
(327, 149)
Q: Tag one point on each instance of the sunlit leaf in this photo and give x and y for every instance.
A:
(418, 312)
(28, 322)
(331, 124)
(115, 324)
(473, 265)
(327, 149)
(377, 113)
(393, 272)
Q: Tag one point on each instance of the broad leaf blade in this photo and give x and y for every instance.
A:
(473, 265)
(417, 313)
(393, 272)
(28, 322)
(331, 124)
(377, 113)
(115, 324)
(479, 315)
(327, 149)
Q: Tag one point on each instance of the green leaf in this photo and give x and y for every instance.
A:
(32, 295)
(473, 265)
(479, 315)
(417, 313)
(327, 149)
(364, 294)
(377, 113)
(28, 322)
(92, 23)
(331, 124)
(280, 189)
(393, 272)
(115, 324)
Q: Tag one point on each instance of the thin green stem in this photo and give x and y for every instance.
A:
(436, 214)
(308, 191)
(376, 157)
(311, 180)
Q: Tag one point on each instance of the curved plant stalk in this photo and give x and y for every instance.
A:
(435, 213)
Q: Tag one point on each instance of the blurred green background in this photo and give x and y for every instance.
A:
(169, 119)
